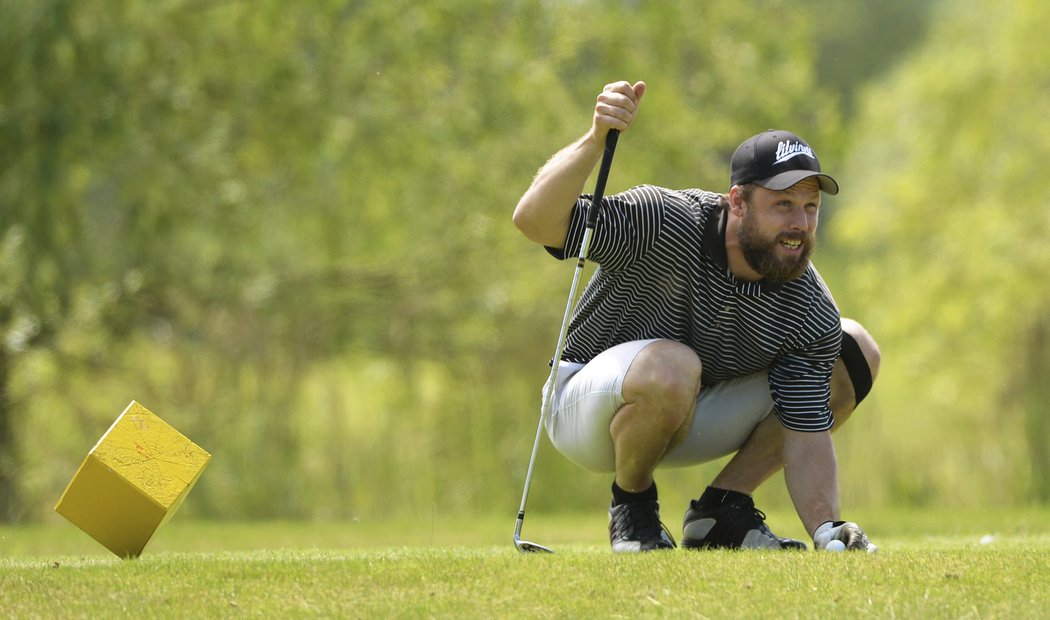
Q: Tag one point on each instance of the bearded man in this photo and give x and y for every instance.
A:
(705, 331)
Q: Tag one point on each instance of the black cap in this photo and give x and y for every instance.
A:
(777, 160)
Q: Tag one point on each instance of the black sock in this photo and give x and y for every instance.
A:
(714, 497)
(626, 497)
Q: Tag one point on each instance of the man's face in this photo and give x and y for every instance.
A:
(777, 232)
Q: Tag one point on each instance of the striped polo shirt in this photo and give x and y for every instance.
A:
(663, 273)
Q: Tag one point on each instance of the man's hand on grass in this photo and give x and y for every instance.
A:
(846, 532)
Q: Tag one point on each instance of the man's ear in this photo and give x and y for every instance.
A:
(736, 201)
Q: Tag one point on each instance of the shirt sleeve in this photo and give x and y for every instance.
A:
(629, 225)
(800, 383)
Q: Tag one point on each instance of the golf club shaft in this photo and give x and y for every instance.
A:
(548, 389)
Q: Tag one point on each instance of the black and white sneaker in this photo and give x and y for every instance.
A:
(734, 525)
(637, 527)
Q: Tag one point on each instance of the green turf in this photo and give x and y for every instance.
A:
(931, 565)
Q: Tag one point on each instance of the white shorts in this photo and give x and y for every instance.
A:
(587, 396)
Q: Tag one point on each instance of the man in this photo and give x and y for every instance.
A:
(704, 317)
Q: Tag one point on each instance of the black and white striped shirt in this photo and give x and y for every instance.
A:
(663, 273)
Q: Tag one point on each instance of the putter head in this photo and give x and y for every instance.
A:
(525, 546)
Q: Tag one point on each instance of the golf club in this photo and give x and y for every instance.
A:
(548, 389)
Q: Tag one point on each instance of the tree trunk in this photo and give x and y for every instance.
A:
(8, 449)
(1037, 402)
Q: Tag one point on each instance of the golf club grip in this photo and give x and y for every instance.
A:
(603, 176)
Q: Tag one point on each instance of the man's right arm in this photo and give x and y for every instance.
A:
(544, 211)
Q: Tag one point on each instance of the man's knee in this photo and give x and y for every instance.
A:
(868, 347)
(855, 370)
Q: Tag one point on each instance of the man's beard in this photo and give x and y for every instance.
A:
(761, 252)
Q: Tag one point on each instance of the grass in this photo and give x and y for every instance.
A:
(931, 565)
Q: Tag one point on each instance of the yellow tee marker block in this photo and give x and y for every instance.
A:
(132, 481)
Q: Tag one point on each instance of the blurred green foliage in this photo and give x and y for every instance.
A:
(285, 228)
(948, 222)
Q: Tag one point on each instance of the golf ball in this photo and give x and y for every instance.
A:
(835, 545)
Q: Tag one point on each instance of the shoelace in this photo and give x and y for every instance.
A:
(752, 512)
(641, 521)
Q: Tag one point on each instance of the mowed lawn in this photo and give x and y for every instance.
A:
(946, 564)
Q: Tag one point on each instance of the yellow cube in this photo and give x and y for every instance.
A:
(132, 481)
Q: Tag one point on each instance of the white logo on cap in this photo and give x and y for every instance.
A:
(789, 149)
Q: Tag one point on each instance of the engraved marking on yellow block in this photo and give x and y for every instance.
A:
(150, 454)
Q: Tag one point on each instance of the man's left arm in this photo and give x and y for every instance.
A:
(800, 382)
(811, 475)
